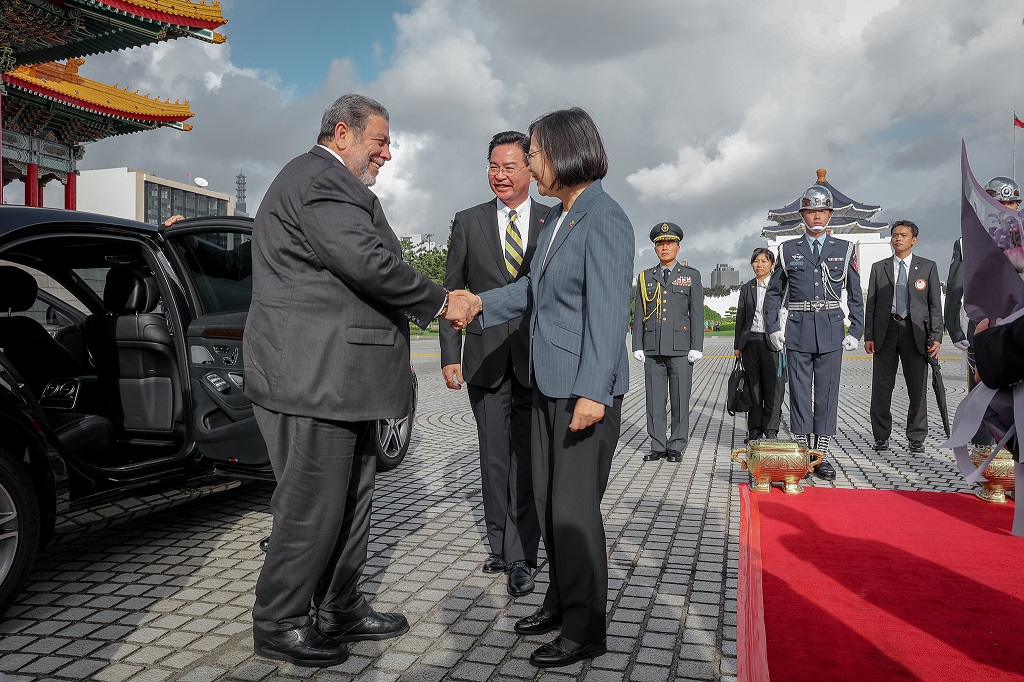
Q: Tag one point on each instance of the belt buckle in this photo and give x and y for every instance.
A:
(817, 305)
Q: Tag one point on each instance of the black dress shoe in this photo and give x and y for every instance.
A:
(554, 654)
(538, 623)
(654, 456)
(825, 471)
(520, 579)
(495, 564)
(753, 434)
(305, 646)
(917, 446)
(880, 445)
(771, 435)
(673, 455)
(375, 626)
(265, 543)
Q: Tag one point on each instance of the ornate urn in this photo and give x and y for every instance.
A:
(999, 474)
(777, 461)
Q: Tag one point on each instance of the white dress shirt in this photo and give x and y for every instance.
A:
(561, 217)
(896, 275)
(522, 220)
(757, 324)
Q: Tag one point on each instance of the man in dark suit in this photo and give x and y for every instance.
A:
(326, 352)
(668, 337)
(492, 245)
(903, 321)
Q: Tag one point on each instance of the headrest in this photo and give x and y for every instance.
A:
(129, 290)
(17, 289)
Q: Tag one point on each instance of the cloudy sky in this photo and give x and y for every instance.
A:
(712, 112)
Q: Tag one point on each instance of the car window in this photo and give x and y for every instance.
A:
(40, 310)
(220, 265)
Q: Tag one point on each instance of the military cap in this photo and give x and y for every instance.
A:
(664, 231)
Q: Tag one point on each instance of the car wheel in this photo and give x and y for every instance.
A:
(19, 529)
(394, 435)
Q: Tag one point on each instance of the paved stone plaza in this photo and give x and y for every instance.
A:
(167, 596)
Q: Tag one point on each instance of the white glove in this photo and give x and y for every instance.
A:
(849, 343)
(777, 340)
(962, 345)
(693, 356)
(638, 355)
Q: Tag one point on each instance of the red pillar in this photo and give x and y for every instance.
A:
(42, 189)
(71, 192)
(32, 185)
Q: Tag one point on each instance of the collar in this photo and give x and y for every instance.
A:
(762, 283)
(820, 240)
(896, 260)
(333, 153)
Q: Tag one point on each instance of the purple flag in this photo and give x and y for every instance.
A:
(992, 250)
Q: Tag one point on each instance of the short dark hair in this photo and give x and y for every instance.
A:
(904, 223)
(762, 251)
(352, 110)
(573, 145)
(509, 137)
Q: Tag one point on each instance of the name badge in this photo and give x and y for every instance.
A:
(920, 285)
(841, 259)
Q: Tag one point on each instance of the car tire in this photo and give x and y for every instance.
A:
(19, 529)
(394, 435)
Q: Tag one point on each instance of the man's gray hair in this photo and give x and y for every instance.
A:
(352, 110)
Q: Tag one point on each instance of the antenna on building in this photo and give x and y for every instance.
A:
(240, 192)
(201, 182)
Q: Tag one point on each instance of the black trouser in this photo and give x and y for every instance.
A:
(982, 437)
(570, 474)
(899, 347)
(503, 415)
(321, 507)
(761, 367)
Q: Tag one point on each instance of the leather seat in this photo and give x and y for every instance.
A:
(84, 436)
(135, 358)
(26, 343)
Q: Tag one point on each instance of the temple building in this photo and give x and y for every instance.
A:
(48, 111)
(851, 220)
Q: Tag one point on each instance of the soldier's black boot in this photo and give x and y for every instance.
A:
(825, 470)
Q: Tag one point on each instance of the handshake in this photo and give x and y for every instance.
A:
(462, 307)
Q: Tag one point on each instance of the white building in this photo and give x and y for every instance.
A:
(137, 195)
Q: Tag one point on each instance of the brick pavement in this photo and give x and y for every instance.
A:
(167, 596)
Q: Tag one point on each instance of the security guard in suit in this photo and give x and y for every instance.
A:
(812, 273)
(668, 337)
(1007, 192)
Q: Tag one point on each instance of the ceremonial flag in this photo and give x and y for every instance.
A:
(993, 256)
(1017, 122)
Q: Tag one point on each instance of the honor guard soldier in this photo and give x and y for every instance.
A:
(668, 337)
(1007, 192)
(813, 270)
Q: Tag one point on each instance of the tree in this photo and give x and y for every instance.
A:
(717, 290)
(430, 261)
(730, 314)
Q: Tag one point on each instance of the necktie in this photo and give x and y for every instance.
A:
(817, 250)
(513, 246)
(665, 274)
(901, 291)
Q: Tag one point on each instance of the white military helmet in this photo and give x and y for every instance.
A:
(816, 198)
(1003, 188)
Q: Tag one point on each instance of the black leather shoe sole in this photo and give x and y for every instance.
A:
(275, 655)
(554, 654)
(538, 624)
(375, 627)
(653, 456)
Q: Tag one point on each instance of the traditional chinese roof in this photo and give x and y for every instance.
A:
(61, 83)
(848, 217)
(40, 31)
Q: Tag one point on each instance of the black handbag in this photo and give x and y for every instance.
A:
(739, 393)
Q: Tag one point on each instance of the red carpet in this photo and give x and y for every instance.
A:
(867, 585)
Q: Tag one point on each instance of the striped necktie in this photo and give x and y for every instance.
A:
(513, 246)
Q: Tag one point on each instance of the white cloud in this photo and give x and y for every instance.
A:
(713, 113)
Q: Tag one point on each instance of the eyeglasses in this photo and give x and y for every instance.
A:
(507, 170)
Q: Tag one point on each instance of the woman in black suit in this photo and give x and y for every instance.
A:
(760, 362)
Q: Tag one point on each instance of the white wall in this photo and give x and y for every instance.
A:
(110, 191)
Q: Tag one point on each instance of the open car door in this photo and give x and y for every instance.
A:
(212, 258)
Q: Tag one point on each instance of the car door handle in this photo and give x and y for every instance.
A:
(237, 378)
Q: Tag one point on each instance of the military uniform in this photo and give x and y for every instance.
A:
(814, 331)
(668, 323)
